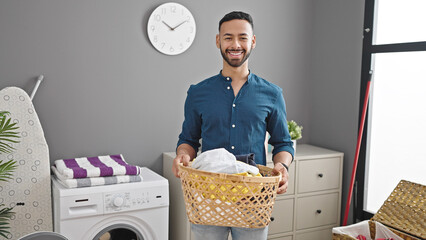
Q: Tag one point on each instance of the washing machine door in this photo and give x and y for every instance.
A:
(119, 232)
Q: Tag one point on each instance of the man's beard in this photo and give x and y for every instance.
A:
(235, 63)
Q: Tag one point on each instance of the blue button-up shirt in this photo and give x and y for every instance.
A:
(238, 124)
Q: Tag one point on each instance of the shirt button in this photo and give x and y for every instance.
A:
(232, 147)
(227, 78)
(233, 125)
(228, 87)
(233, 105)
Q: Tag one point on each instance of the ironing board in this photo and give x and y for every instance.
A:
(29, 191)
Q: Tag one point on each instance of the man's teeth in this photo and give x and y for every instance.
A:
(235, 53)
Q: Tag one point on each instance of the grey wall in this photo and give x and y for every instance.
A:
(107, 90)
(336, 79)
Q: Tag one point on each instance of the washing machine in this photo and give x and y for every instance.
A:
(127, 211)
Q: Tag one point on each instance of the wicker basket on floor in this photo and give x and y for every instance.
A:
(404, 213)
(229, 200)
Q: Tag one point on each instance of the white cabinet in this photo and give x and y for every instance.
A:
(317, 182)
(308, 210)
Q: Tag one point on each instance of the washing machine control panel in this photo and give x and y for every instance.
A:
(132, 200)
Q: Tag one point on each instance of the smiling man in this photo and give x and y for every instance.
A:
(235, 56)
(234, 110)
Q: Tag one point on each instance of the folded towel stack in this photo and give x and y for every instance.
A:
(95, 171)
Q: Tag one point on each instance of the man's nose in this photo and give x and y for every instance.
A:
(235, 44)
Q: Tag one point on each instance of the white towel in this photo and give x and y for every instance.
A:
(221, 161)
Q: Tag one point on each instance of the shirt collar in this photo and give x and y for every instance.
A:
(224, 78)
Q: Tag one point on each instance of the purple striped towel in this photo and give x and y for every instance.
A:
(101, 166)
(94, 181)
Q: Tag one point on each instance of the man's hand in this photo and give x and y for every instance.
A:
(286, 158)
(184, 154)
(180, 158)
(279, 168)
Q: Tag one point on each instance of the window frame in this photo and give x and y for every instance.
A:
(368, 50)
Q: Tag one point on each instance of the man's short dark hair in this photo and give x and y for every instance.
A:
(236, 15)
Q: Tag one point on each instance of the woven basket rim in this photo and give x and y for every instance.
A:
(234, 177)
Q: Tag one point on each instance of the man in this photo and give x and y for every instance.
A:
(233, 110)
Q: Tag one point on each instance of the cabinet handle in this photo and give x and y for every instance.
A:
(319, 211)
(272, 219)
(320, 175)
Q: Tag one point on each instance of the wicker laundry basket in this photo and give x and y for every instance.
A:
(229, 200)
(404, 212)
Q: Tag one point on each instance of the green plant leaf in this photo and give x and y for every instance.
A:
(7, 137)
(6, 170)
(5, 216)
(294, 130)
(7, 133)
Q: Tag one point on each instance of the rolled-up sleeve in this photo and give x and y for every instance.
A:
(191, 127)
(278, 129)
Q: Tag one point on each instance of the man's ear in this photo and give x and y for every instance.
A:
(253, 42)
(217, 41)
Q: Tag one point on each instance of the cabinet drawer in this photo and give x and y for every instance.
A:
(291, 178)
(283, 216)
(281, 238)
(317, 235)
(317, 175)
(316, 211)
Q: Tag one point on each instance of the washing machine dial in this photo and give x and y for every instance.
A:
(118, 201)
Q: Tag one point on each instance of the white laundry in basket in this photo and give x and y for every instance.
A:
(221, 161)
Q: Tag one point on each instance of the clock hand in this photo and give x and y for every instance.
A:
(168, 26)
(180, 24)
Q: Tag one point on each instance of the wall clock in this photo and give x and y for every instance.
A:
(171, 28)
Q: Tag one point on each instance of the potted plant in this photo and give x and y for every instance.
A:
(295, 132)
(7, 136)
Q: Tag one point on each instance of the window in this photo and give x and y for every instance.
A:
(397, 121)
(394, 49)
(399, 21)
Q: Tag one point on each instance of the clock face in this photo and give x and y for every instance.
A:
(171, 28)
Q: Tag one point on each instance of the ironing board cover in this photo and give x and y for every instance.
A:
(30, 186)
